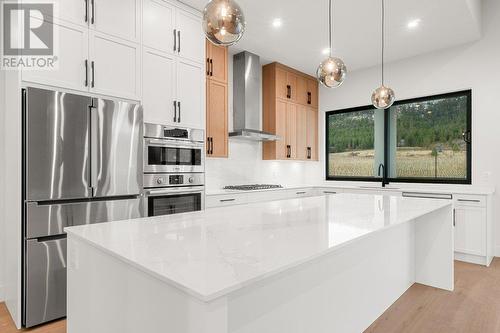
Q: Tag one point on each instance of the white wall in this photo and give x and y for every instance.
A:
(10, 193)
(475, 66)
(2, 186)
(245, 164)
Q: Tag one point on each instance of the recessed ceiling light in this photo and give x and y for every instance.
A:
(326, 50)
(277, 22)
(413, 24)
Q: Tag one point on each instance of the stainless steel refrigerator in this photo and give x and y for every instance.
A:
(82, 163)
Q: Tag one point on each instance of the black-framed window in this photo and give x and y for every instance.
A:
(420, 140)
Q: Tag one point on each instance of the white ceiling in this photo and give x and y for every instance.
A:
(304, 33)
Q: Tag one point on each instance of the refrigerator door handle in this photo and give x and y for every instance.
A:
(94, 132)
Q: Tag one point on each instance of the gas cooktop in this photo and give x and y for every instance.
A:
(252, 187)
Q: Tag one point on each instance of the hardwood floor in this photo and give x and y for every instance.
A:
(474, 307)
(7, 326)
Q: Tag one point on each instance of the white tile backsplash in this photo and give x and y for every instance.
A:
(245, 166)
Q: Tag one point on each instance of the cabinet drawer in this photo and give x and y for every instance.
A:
(265, 196)
(469, 200)
(303, 192)
(225, 200)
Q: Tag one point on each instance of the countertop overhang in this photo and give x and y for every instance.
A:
(211, 253)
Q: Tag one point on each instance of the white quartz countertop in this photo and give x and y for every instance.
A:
(211, 253)
(424, 188)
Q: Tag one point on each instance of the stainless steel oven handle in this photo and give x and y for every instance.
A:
(175, 191)
(173, 144)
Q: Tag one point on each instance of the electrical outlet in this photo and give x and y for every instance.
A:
(486, 177)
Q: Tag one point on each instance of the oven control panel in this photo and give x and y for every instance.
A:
(167, 180)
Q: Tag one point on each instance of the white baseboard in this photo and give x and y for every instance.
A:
(497, 251)
(2, 297)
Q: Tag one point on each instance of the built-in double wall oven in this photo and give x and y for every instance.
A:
(174, 166)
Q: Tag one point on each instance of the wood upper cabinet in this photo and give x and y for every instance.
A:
(291, 130)
(301, 133)
(281, 83)
(217, 104)
(216, 62)
(312, 134)
(288, 111)
(302, 90)
(217, 132)
(312, 93)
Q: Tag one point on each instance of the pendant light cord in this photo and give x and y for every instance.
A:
(383, 38)
(330, 25)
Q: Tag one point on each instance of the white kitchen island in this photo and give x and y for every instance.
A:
(322, 264)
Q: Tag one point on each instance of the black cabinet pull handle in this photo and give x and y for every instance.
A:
(308, 97)
(208, 145)
(86, 73)
(92, 19)
(298, 193)
(175, 112)
(175, 40)
(179, 107)
(453, 217)
(211, 67)
(92, 65)
(288, 91)
(208, 67)
(179, 37)
(86, 10)
(289, 151)
(226, 200)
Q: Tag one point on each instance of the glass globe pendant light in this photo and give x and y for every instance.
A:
(223, 22)
(332, 71)
(383, 97)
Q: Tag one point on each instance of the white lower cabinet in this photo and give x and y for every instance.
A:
(470, 230)
(114, 66)
(473, 229)
(158, 87)
(262, 196)
(225, 200)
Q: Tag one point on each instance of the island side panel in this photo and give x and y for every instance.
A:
(344, 291)
(107, 295)
(434, 252)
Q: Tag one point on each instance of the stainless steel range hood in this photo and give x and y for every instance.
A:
(247, 74)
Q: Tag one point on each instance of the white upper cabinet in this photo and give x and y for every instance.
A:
(71, 71)
(114, 66)
(190, 38)
(190, 93)
(158, 89)
(159, 25)
(119, 18)
(173, 84)
(75, 11)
